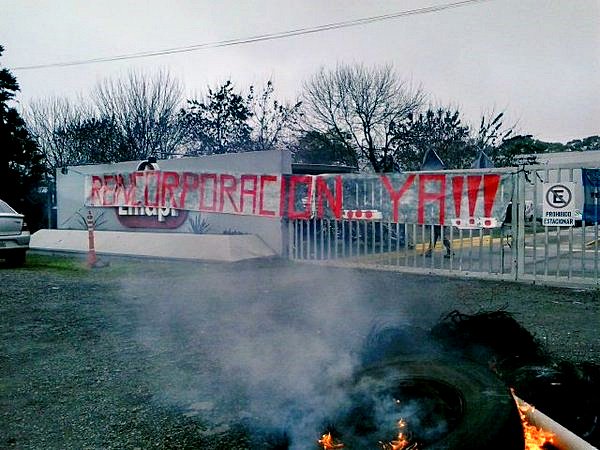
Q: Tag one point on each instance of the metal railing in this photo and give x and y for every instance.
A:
(403, 246)
(552, 252)
(521, 249)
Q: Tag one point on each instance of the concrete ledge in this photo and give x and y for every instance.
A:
(203, 247)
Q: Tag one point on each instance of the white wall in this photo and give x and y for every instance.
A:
(70, 188)
(589, 159)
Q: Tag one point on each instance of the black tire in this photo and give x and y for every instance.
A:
(16, 258)
(478, 409)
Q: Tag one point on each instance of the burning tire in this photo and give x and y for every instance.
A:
(443, 405)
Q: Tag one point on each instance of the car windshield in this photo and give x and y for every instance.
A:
(5, 209)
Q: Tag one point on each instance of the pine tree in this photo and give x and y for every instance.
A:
(21, 167)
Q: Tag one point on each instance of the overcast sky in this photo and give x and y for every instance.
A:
(537, 59)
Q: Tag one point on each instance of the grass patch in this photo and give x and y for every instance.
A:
(108, 268)
(115, 267)
(74, 264)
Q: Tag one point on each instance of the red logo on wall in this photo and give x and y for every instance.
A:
(150, 217)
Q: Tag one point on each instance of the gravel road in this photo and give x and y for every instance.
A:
(157, 354)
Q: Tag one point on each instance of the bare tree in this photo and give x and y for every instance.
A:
(47, 120)
(145, 109)
(491, 136)
(492, 130)
(358, 106)
(273, 123)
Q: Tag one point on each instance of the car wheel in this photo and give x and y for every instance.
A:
(446, 405)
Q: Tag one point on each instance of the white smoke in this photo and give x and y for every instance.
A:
(270, 347)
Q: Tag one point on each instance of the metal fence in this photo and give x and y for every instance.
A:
(521, 249)
(553, 252)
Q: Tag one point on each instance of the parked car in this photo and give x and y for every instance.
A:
(14, 235)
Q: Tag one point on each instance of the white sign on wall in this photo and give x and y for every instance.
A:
(559, 204)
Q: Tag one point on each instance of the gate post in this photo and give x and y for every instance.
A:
(286, 238)
(519, 226)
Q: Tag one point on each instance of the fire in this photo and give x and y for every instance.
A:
(535, 437)
(401, 442)
(327, 442)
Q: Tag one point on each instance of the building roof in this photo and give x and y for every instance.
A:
(431, 161)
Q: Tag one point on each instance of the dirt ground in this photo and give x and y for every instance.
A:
(158, 354)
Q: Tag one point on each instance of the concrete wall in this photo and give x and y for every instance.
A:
(588, 159)
(205, 247)
(71, 195)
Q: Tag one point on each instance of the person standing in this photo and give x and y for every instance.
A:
(437, 233)
(431, 161)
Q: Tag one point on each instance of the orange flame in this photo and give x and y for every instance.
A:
(535, 437)
(401, 442)
(327, 442)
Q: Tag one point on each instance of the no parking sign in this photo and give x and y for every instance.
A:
(559, 204)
